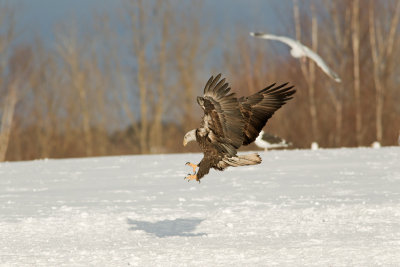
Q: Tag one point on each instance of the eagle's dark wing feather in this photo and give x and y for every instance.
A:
(222, 121)
(259, 107)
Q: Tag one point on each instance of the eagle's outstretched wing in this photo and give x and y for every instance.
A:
(222, 122)
(259, 107)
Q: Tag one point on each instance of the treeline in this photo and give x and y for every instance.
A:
(131, 89)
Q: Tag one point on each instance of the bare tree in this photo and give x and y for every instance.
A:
(355, 27)
(71, 54)
(137, 16)
(9, 88)
(382, 48)
(309, 74)
(6, 119)
(339, 15)
(186, 66)
(47, 100)
(156, 129)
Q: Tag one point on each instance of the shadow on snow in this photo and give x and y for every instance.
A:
(166, 228)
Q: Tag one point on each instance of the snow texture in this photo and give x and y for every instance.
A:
(328, 207)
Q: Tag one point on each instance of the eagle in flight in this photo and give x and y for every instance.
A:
(230, 122)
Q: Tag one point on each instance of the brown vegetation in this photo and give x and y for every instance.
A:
(109, 93)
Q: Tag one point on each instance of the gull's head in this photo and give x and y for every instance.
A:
(260, 135)
(189, 136)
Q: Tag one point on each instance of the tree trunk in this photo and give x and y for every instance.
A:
(156, 132)
(138, 27)
(311, 87)
(381, 48)
(309, 74)
(6, 120)
(80, 87)
(338, 122)
(355, 25)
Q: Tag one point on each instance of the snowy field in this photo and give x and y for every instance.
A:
(331, 207)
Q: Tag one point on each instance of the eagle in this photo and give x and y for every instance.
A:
(230, 122)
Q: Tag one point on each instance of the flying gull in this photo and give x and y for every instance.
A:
(299, 50)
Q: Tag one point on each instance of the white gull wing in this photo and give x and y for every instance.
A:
(317, 59)
(297, 48)
(300, 50)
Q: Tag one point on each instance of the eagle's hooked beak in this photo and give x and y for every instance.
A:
(189, 136)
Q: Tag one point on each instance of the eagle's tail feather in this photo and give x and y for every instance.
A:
(243, 160)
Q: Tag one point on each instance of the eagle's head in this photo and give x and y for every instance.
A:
(189, 136)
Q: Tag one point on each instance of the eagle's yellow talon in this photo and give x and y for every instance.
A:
(191, 177)
(194, 166)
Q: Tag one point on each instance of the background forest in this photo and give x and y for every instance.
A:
(99, 90)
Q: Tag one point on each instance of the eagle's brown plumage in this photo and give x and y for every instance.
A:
(229, 123)
(258, 108)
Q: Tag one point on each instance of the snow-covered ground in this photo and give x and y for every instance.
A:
(327, 207)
